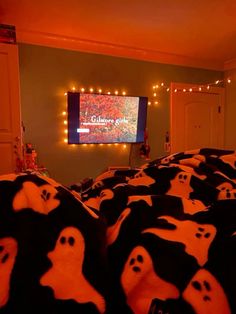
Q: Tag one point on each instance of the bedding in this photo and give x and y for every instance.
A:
(158, 239)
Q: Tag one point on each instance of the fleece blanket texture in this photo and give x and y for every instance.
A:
(158, 239)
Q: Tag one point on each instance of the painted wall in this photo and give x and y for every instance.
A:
(230, 112)
(46, 73)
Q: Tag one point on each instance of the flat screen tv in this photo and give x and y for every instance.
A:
(98, 118)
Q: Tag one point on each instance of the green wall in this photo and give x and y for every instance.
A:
(46, 73)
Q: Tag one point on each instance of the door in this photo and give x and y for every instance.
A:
(197, 117)
(10, 118)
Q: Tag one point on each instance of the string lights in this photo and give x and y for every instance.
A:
(89, 90)
(193, 88)
(93, 90)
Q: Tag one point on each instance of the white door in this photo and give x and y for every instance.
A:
(197, 117)
(10, 118)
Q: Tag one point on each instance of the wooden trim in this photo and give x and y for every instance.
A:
(230, 65)
(106, 48)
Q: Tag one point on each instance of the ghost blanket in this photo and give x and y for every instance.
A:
(159, 239)
(52, 249)
(171, 233)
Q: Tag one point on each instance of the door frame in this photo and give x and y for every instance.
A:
(180, 87)
(12, 135)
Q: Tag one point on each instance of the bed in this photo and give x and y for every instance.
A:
(151, 240)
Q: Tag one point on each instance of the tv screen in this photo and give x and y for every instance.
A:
(98, 118)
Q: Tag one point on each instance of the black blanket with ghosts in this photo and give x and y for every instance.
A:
(160, 239)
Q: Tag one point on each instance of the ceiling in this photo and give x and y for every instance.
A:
(197, 33)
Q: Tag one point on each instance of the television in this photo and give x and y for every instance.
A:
(98, 118)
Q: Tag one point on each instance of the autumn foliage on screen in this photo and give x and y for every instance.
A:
(107, 118)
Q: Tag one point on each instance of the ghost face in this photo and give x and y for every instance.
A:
(206, 295)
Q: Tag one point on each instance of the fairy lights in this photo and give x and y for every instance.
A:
(96, 90)
(194, 88)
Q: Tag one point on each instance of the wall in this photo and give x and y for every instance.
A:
(230, 112)
(46, 73)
